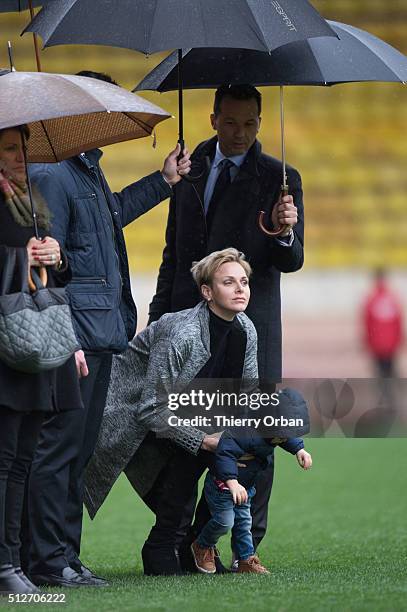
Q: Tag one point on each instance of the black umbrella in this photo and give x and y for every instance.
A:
(14, 6)
(354, 56)
(159, 25)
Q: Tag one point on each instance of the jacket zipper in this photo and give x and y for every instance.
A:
(89, 279)
(101, 183)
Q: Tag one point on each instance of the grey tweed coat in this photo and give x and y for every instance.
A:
(170, 351)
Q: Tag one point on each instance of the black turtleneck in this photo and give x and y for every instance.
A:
(220, 332)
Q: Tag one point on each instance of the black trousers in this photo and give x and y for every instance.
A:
(53, 528)
(170, 496)
(19, 434)
(260, 504)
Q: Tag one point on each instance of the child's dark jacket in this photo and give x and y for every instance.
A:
(232, 451)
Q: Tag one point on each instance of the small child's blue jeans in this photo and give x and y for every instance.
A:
(225, 516)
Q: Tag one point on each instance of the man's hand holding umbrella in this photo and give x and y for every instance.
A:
(174, 169)
(284, 214)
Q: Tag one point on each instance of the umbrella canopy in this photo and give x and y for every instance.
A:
(11, 6)
(159, 25)
(355, 56)
(70, 114)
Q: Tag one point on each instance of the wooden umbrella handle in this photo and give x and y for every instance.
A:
(262, 215)
(35, 39)
(43, 278)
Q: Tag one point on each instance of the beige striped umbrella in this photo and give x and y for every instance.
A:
(69, 114)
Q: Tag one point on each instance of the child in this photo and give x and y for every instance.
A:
(229, 487)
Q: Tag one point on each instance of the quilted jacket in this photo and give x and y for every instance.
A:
(87, 221)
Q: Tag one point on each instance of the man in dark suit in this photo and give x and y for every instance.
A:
(221, 210)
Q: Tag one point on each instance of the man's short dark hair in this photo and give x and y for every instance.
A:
(237, 92)
(101, 76)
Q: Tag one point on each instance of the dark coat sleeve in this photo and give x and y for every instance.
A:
(292, 445)
(63, 276)
(291, 258)
(162, 299)
(227, 454)
(4, 254)
(56, 278)
(142, 196)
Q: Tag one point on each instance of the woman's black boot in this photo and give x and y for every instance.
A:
(160, 561)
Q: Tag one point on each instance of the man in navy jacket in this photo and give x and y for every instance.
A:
(87, 221)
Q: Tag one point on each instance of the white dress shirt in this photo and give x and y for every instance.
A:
(213, 177)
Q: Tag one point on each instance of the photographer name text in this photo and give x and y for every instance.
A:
(230, 421)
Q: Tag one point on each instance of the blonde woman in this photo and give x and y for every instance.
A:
(213, 340)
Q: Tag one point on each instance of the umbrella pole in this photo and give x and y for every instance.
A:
(180, 104)
(37, 52)
(10, 56)
(42, 270)
(30, 195)
(284, 186)
(188, 178)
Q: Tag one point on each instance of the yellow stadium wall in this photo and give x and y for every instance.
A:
(348, 142)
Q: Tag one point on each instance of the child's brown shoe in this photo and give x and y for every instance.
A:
(251, 565)
(204, 558)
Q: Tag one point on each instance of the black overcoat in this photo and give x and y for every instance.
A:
(50, 391)
(235, 224)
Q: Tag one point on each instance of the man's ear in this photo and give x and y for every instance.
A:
(213, 121)
(206, 292)
(259, 125)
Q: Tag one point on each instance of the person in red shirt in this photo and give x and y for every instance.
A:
(383, 325)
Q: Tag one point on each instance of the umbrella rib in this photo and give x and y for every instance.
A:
(65, 10)
(322, 77)
(258, 29)
(140, 122)
(49, 140)
(151, 29)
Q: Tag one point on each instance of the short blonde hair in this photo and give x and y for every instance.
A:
(203, 271)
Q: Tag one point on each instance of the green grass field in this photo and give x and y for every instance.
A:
(337, 541)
